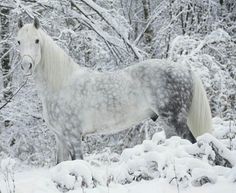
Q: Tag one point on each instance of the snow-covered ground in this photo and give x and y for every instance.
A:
(39, 181)
(158, 165)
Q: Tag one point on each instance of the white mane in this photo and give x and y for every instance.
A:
(55, 65)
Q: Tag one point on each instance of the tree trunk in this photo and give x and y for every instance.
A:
(148, 35)
(5, 56)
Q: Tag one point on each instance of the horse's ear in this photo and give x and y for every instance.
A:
(20, 23)
(36, 23)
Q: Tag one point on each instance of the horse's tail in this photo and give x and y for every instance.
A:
(199, 116)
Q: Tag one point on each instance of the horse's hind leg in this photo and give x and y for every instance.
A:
(183, 130)
(175, 98)
(174, 125)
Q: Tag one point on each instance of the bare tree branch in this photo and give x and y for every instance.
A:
(14, 94)
(100, 11)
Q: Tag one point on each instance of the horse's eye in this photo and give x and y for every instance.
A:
(18, 42)
(37, 41)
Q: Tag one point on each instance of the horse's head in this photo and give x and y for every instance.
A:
(29, 42)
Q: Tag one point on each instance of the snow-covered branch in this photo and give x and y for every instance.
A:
(106, 17)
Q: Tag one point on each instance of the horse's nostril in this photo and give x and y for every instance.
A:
(30, 66)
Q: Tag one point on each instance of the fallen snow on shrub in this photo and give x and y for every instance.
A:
(164, 165)
(69, 175)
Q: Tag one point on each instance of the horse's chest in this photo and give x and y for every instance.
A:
(62, 112)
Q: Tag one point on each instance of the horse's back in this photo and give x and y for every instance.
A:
(155, 67)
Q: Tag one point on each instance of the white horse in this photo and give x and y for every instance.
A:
(77, 100)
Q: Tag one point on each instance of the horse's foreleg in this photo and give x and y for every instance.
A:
(73, 139)
(63, 153)
(69, 146)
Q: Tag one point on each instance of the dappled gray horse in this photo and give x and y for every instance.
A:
(77, 100)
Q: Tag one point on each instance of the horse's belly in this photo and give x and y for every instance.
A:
(112, 122)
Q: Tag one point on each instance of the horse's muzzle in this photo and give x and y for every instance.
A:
(27, 64)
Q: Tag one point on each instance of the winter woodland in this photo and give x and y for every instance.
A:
(107, 35)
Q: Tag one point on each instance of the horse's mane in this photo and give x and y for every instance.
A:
(55, 64)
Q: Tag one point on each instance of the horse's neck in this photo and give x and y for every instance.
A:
(55, 67)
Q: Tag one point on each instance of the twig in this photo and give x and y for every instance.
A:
(176, 178)
(90, 24)
(230, 136)
(159, 9)
(125, 40)
(16, 92)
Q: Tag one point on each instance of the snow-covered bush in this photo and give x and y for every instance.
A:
(7, 170)
(209, 56)
(176, 160)
(70, 175)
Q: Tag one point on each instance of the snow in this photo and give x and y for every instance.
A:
(217, 35)
(232, 175)
(38, 181)
(222, 150)
(157, 165)
(202, 176)
(72, 174)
